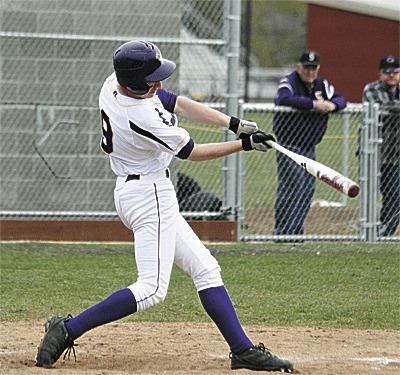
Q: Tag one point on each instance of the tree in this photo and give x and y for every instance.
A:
(278, 31)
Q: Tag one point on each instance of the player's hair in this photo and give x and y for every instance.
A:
(139, 62)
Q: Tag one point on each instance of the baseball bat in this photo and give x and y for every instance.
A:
(321, 171)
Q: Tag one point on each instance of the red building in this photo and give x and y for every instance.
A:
(352, 36)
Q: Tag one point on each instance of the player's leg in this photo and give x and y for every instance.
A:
(153, 219)
(283, 195)
(194, 258)
(302, 203)
(294, 195)
(151, 211)
(390, 189)
(303, 192)
(146, 209)
(289, 218)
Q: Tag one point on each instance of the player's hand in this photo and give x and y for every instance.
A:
(257, 141)
(324, 106)
(394, 109)
(242, 128)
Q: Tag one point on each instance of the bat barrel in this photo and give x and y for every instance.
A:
(341, 183)
(321, 171)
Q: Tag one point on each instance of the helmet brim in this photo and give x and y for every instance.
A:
(163, 72)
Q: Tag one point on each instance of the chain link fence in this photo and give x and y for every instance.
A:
(361, 143)
(379, 171)
(54, 57)
(332, 214)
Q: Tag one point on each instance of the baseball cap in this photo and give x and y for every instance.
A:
(389, 62)
(309, 58)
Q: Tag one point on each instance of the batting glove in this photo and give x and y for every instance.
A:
(257, 141)
(242, 128)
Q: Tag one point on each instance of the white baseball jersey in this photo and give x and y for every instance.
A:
(139, 135)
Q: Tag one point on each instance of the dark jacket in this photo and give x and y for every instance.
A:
(303, 129)
(376, 92)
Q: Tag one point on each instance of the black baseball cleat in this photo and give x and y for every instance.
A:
(55, 340)
(259, 358)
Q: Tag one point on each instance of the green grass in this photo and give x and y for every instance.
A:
(311, 284)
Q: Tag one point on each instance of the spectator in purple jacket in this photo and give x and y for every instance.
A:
(314, 98)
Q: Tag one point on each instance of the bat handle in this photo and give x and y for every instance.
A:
(272, 144)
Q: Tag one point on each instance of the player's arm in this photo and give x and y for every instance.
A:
(372, 94)
(208, 151)
(195, 111)
(285, 97)
(198, 112)
(337, 101)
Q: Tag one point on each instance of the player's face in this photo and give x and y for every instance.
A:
(307, 74)
(390, 76)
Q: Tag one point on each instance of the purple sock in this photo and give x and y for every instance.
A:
(118, 305)
(218, 306)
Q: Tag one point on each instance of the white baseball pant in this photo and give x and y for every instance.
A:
(149, 207)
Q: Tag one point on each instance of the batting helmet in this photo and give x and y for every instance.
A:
(139, 62)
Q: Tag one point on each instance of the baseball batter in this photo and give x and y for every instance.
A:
(140, 133)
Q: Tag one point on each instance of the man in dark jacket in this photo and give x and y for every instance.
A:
(300, 132)
(385, 92)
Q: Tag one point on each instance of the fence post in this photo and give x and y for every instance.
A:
(373, 179)
(240, 168)
(371, 168)
(345, 154)
(233, 49)
(363, 170)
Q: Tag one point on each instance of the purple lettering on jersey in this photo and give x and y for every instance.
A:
(164, 120)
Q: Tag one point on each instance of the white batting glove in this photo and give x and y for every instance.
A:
(258, 141)
(242, 128)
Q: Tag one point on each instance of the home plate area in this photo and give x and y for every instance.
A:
(129, 347)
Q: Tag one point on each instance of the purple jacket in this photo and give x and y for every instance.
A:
(304, 128)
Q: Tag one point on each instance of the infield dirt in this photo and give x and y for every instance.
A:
(197, 348)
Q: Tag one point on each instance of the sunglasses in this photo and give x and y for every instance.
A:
(389, 71)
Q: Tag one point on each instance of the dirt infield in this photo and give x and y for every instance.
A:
(197, 349)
